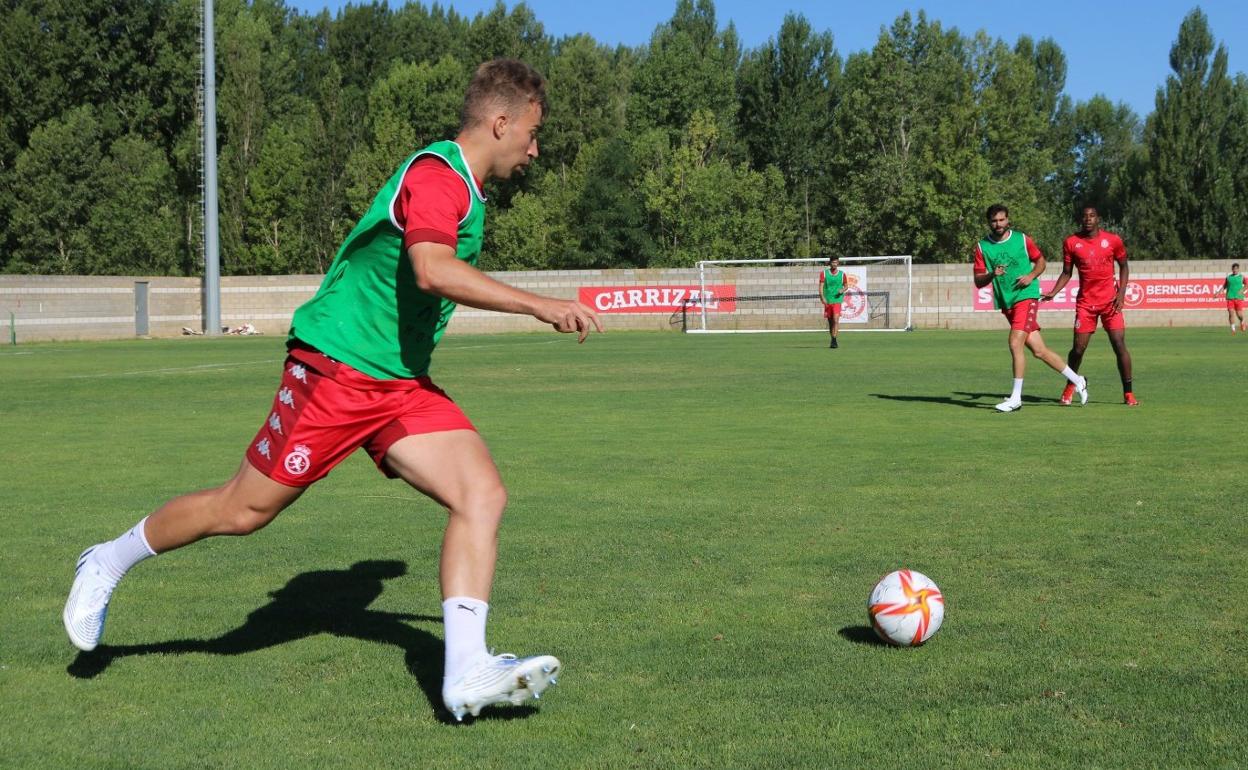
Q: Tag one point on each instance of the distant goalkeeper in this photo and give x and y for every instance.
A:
(832, 292)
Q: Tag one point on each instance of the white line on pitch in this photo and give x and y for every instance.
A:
(197, 367)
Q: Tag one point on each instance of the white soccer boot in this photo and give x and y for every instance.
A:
(1082, 390)
(499, 679)
(1010, 405)
(88, 602)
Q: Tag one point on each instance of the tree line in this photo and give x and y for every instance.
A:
(689, 147)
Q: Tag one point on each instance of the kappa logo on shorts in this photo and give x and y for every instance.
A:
(286, 397)
(299, 373)
(275, 422)
(299, 460)
(262, 446)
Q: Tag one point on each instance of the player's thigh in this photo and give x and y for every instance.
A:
(1035, 342)
(453, 467)
(251, 491)
(1117, 338)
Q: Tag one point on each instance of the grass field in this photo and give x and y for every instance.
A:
(694, 527)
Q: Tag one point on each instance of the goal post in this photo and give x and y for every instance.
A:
(744, 296)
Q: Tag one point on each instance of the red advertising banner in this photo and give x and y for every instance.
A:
(1163, 293)
(1065, 299)
(658, 299)
(1142, 294)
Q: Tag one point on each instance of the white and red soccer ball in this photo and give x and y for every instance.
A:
(906, 608)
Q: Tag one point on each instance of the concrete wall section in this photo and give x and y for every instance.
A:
(103, 307)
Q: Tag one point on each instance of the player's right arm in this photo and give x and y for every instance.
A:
(438, 272)
(980, 269)
(1224, 288)
(1068, 269)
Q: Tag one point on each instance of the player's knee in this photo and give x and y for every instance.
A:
(484, 504)
(244, 519)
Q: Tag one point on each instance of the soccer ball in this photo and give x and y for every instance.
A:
(906, 608)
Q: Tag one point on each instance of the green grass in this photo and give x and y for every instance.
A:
(694, 527)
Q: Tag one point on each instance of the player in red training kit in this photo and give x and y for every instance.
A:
(1094, 251)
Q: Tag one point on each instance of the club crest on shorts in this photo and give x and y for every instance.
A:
(299, 460)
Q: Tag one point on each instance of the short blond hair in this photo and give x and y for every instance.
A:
(507, 83)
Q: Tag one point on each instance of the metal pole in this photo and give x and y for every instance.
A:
(212, 249)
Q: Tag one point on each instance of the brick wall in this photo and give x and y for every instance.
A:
(103, 307)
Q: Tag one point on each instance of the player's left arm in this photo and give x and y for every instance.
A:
(1037, 264)
(1124, 273)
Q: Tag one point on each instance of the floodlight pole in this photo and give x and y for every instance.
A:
(212, 247)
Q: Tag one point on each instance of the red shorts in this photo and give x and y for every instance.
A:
(1086, 315)
(832, 310)
(325, 410)
(1234, 304)
(1023, 315)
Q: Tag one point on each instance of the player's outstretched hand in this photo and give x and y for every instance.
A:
(1047, 296)
(570, 317)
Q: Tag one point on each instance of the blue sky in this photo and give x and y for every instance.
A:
(1116, 47)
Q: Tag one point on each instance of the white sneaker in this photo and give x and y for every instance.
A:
(499, 679)
(88, 603)
(1082, 390)
(1010, 405)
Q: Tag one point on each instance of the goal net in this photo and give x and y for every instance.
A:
(782, 295)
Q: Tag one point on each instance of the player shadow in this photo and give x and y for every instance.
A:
(967, 399)
(862, 635)
(322, 602)
(998, 395)
(948, 400)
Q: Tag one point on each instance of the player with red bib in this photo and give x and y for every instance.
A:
(1095, 252)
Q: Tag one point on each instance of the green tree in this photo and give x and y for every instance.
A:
(1186, 204)
(587, 100)
(277, 200)
(518, 35)
(134, 220)
(1101, 144)
(705, 207)
(1016, 110)
(527, 234)
(412, 106)
(910, 156)
(50, 217)
(788, 97)
(688, 66)
(606, 211)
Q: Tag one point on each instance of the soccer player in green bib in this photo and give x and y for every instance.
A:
(832, 292)
(356, 376)
(1233, 288)
(1012, 264)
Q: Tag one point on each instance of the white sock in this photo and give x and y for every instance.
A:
(463, 619)
(1073, 376)
(1017, 394)
(118, 556)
